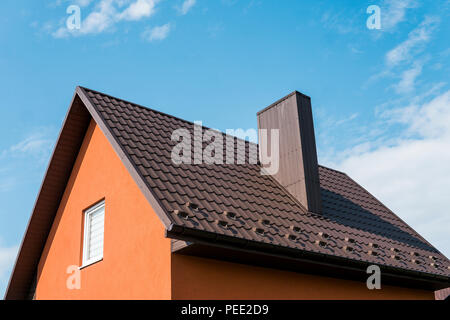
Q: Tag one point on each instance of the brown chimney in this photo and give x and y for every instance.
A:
(298, 170)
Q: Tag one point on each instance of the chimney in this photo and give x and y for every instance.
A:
(298, 170)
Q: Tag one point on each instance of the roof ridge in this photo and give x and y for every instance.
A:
(163, 113)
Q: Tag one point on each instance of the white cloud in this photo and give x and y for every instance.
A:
(348, 119)
(106, 14)
(35, 145)
(100, 19)
(416, 38)
(408, 79)
(339, 21)
(393, 12)
(61, 32)
(19, 161)
(405, 59)
(186, 6)
(157, 33)
(138, 10)
(32, 151)
(411, 174)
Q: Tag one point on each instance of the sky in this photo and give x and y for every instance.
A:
(380, 96)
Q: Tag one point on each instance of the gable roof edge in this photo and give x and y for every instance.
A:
(13, 291)
(59, 169)
(123, 155)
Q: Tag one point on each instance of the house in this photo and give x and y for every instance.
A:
(118, 213)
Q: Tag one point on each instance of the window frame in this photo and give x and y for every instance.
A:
(86, 230)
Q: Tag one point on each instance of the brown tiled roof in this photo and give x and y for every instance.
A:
(228, 203)
(353, 225)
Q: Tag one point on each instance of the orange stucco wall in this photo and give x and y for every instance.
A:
(138, 263)
(200, 278)
(136, 260)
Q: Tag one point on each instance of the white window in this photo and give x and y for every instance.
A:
(94, 221)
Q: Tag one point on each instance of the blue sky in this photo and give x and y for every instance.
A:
(381, 98)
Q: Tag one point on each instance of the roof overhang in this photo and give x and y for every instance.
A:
(210, 245)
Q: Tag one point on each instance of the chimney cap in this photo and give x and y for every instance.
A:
(295, 92)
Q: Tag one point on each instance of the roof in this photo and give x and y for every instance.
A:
(237, 204)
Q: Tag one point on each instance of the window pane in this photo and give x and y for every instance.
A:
(94, 233)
